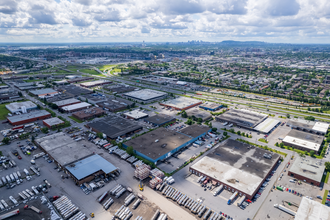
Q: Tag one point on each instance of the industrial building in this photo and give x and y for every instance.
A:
(88, 113)
(146, 95)
(161, 143)
(95, 83)
(308, 126)
(135, 114)
(75, 158)
(86, 169)
(119, 88)
(243, 118)
(74, 90)
(27, 86)
(267, 126)
(160, 119)
(76, 107)
(156, 79)
(7, 94)
(181, 103)
(195, 112)
(303, 140)
(312, 210)
(52, 122)
(21, 106)
(114, 126)
(41, 93)
(307, 170)
(63, 149)
(93, 98)
(59, 97)
(210, 106)
(80, 79)
(28, 117)
(66, 102)
(113, 105)
(237, 166)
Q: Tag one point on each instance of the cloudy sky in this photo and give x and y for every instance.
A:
(289, 21)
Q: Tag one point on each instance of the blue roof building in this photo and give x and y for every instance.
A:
(211, 106)
(86, 169)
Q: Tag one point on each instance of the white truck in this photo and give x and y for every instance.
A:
(285, 209)
(9, 214)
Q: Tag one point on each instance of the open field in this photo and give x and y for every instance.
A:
(3, 111)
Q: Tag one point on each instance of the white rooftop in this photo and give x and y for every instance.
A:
(66, 102)
(267, 125)
(181, 102)
(302, 143)
(246, 182)
(312, 210)
(53, 121)
(76, 106)
(17, 106)
(145, 94)
(136, 114)
(322, 127)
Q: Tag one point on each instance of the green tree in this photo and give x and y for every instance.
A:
(130, 150)
(312, 153)
(5, 140)
(99, 134)
(281, 145)
(45, 130)
(288, 115)
(214, 129)
(238, 132)
(225, 133)
(327, 166)
(310, 118)
(189, 122)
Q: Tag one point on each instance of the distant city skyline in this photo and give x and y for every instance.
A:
(56, 21)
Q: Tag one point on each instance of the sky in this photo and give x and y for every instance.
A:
(54, 21)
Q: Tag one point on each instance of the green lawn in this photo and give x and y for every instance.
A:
(75, 119)
(3, 111)
(324, 199)
(93, 72)
(325, 178)
(105, 67)
(115, 70)
(263, 140)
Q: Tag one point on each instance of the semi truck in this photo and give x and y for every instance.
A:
(218, 190)
(240, 201)
(33, 208)
(285, 209)
(232, 198)
(9, 214)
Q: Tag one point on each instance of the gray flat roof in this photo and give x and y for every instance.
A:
(312, 210)
(304, 139)
(238, 165)
(242, 117)
(168, 140)
(267, 125)
(145, 94)
(94, 83)
(199, 113)
(159, 119)
(64, 149)
(76, 106)
(114, 126)
(53, 121)
(74, 90)
(308, 168)
(90, 165)
(181, 102)
(195, 130)
(22, 117)
(66, 102)
(309, 125)
(210, 105)
(17, 106)
(43, 91)
(136, 114)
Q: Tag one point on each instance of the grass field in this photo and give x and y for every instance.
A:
(3, 111)
(75, 119)
(324, 199)
(105, 67)
(93, 72)
(325, 178)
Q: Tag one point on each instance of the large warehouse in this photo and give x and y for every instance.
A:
(95, 83)
(243, 118)
(210, 106)
(28, 117)
(135, 114)
(204, 115)
(307, 170)
(86, 169)
(146, 95)
(309, 126)
(41, 93)
(20, 106)
(65, 102)
(312, 210)
(238, 166)
(181, 103)
(75, 158)
(159, 119)
(114, 126)
(161, 143)
(303, 140)
(76, 107)
(267, 125)
(88, 113)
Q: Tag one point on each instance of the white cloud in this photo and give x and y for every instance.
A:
(171, 20)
